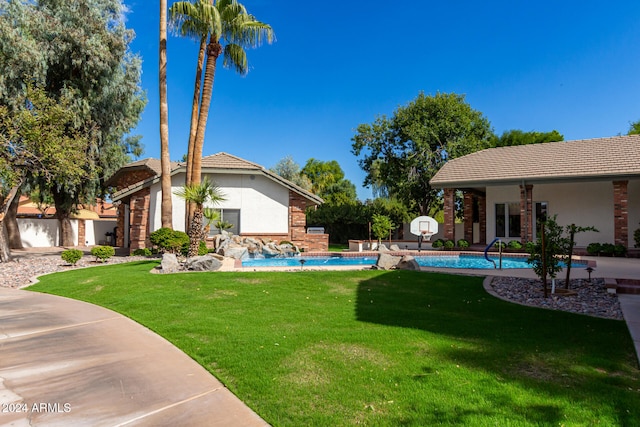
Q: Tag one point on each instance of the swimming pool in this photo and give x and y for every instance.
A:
(446, 261)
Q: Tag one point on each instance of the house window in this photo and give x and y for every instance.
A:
(541, 214)
(231, 216)
(507, 220)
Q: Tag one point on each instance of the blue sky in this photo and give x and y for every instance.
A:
(570, 66)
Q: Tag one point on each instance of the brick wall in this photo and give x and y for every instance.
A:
(82, 232)
(132, 177)
(526, 213)
(139, 217)
(449, 213)
(482, 214)
(621, 213)
(468, 216)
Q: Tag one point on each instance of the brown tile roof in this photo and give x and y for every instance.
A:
(601, 158)
(228, 161)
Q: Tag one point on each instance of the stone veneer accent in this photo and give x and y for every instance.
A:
(298, 226)
(468, 216)
(139, 208)
(621, 213)
(526, 213)
(449, 213)
(82, 232)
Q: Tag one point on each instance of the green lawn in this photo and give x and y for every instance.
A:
(378, 348)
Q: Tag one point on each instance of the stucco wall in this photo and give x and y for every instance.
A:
(584, 204)
(263, 203)
(43, 232)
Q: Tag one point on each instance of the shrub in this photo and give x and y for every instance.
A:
(619, 250)
(594, 248)
(437, 244)
(636, 237)
(202, 248)
(462, 244)
(168, 240)
(608, 249)
(449, 244)
(500, 245)
(514, 244)
(71, 256)
(142, 252)
(529, 247)
(103, 253)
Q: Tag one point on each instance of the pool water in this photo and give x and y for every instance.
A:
(446, 261)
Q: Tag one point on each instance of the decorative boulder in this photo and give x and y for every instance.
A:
(170, 263)
(408, 263)
(387, 262)
(235, 251)
(394, 248)
(382, 248)
(270, 250)
(203, 263)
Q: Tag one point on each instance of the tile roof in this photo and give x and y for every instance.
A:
(600, 158)
(228, 161)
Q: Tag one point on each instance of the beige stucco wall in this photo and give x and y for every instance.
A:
(263, 203)
(584, 204)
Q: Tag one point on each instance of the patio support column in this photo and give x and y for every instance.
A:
(449, 214)
(526, 213)
(140, 219)
(468, 216)
(482, 214)
(621, 213)
(120, 225)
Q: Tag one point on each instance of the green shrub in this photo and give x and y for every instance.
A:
(619, 250)
(594, 248)
(142, 252)
(72, 256)
(202, 248)
(462, 244)
(529, 247)
(437, 244)
(500, 244)
(449, 244)
(514, 244)
(103, 253)
(608, 249)
(636, 237)
(168, 240)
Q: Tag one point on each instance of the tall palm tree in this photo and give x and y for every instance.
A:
(230, 29)
(204, 192)
(166, 210)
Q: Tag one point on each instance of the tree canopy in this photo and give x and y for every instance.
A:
(518, 137)
(402, 153)
(78, 51)
(634, 128)
(328, 181)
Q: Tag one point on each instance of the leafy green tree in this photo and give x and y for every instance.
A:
(290, 170)
(204, 192)
(38, 141)
(634, 128)
(405, 151)
(518, 137)
(548, 252)
(230, 29)
(79, 51)
(328, 181)
(381, 226)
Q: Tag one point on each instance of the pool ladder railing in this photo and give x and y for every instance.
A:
(486, 252)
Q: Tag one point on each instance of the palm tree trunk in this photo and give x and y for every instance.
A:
(195, 233)
(166, 215)
(190, 207)
(214, 49)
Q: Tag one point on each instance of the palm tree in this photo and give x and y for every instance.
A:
(230, 29)
(205, 192)
(166, 213)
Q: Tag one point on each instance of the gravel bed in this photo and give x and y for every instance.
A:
(591, 298)
(22, 270)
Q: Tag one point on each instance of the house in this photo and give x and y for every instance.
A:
(594, 182)
(258, 202)
(90, 224)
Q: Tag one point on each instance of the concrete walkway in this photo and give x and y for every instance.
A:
(69, 363)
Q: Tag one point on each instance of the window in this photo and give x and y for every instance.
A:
(507, 220)
(231, 216)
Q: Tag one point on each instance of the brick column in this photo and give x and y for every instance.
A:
(468, 216)
(482, 217)
(120, 226)
(621, 213)
(139, 219)
(526, 213)
(449, 214)
(82, 232)
(297, 219)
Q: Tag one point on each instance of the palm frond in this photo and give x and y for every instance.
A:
(235, 57)
(201, 193)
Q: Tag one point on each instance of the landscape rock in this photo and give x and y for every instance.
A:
(394, 248)
(170, 263)
(235, 251)
(387, 262)
(203, 263)
(408, 262)
(382, 248)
